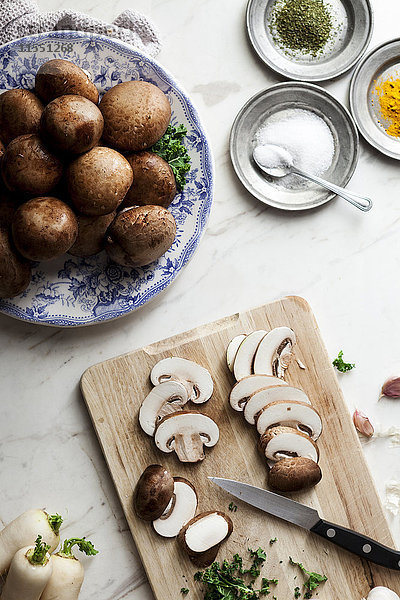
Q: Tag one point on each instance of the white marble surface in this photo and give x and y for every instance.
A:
(344, 262)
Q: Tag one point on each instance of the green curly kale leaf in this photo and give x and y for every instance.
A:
(171, 148)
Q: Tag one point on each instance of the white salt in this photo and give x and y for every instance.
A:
(306, 137)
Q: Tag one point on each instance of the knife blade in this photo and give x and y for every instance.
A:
(308, 518)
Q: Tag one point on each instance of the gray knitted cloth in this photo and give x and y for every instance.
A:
(22, 17)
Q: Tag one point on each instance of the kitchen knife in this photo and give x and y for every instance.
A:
(308, 518)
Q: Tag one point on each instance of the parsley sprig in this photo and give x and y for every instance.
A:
(225, 581)
(170, 147)
(313, 581)
(342, 366)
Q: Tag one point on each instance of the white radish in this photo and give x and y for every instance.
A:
(30, 570)
(68, 573)
(24, 530)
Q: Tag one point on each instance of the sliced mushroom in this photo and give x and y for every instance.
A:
(232, 349)
(285, 442)
(299, 415)
(196, 379)
(202, 536)
(275, 393)
(246, 387)
(243, 365)
(179, 511)
(274, 352)
(153, 492)
(186, 432)
(164, 399)
(293, 474)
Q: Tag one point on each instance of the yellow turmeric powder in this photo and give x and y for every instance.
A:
(389, 101)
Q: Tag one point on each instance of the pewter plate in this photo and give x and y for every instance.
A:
(350, 42)
(280, 98)
(380, 64)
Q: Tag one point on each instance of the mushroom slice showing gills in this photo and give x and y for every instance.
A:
(299, 415)
(180, 510)
(202, 536)
(246, 387)
(186, 432)
(243, 365)
(285, 442)
(274, 352)
(263, 397)
(232, 349)
(195, 378)
(166, 398)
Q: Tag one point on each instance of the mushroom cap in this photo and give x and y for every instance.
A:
(232, 349)
(15, 271)
(267, 395)
(267, 358)
(168, 397)
(285, 442)
(202, 536)
(298, 415)
(98, 181)
(293, 474)
(153, 493)
(153, 181)
(44, 228)
(246, 387)
(28, 166)
(243, 365)
(91, 234)
(140, 235)
(196, 378)
(71, 124)
(20, 112)
(185, 423)
(58, 77)
(136, 115)
(180, 510)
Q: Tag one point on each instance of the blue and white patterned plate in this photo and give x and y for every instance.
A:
(75, 291)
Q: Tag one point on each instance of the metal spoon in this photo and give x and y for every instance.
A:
(278, 162)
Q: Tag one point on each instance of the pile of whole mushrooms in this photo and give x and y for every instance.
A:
(78, 175)
(162, 415)
(287, 423)
(170, 503)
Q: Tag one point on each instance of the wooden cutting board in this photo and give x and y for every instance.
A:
(113, 391)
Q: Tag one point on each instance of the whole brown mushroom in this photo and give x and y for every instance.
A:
(29, 167)
(153, 181)
(294, 474)
(98, 181)
(153, 493)
(140, 235)
(71, 124)
(136, 115)
(44, 228)
(20, 112)
(91, 234)
(15, 271)
(58, 77)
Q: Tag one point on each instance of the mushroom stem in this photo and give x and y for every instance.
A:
(189, 447)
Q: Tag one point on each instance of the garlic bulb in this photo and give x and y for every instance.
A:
(382, 593)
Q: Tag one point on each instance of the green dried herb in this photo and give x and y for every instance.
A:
(313, 581)
(232, 507)
(302, 25)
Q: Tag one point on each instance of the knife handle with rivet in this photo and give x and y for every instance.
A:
(358, 544)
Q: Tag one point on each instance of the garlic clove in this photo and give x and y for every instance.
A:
(391, 388)
(362, 423)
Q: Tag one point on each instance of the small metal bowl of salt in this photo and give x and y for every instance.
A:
(314, 130)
